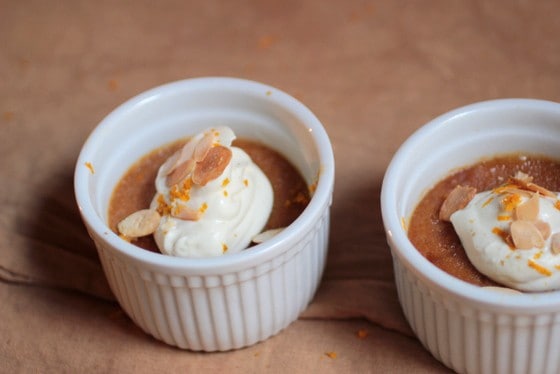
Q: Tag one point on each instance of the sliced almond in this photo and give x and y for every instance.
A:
(185, 213)
(180, 172)
(457, 199)
(179, 157)
(224, 135)
(529, 210)
(555, 243)
(504, 290)
(513, 189)
(265, 235)
(204, 145)
(526, 235)
(170, 164)
(543, 191)
(141, 223)
(526, 182)
(213, 165)
(543, 227)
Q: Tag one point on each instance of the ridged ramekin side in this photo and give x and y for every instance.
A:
(474, 339)
(224, 311)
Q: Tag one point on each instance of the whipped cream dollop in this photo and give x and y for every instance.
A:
(512, 235)
(212, 198)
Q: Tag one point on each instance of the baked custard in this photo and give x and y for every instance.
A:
(495, 223)
(207, 195)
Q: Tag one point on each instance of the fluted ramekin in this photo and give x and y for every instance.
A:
(232, 301)
(468, 328)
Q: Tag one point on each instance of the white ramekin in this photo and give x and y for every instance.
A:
(471, 329)
(211, 304)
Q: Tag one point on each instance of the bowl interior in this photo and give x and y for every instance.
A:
(468, 136)
(169, 114)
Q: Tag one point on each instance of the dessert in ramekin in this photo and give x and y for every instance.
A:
(223, 302)
(469, 328)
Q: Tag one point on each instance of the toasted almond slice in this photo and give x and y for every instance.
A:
(543, 227)
(170, 164)
(543, 191)
(224, 135)
(555, 243)
(181, 155)
(180, 172)
(457, 199)
(265, 235)
(141, 223)
(203, 146)
(185, 213)
(529, 210)
(525, 235)
(504, 290)
(526, 182)
(513, 189)
(212, 166)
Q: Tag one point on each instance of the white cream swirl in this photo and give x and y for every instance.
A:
(228, 210)
(483, 227)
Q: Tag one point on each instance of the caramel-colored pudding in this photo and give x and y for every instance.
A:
(136, 189)
(437, 241)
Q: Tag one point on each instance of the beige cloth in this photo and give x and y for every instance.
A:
(372, 72)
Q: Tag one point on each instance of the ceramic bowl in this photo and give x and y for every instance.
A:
(468, 328)
(226, 302)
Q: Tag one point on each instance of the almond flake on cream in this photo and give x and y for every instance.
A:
(512, 234)
(212, 197)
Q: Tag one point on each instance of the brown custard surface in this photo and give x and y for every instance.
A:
(437, 240)
(136, 188)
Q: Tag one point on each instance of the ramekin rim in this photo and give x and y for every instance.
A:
(308, 218)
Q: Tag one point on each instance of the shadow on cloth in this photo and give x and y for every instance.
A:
(358, 281)
(53, 247)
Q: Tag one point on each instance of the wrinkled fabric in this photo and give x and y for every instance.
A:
(373, 72)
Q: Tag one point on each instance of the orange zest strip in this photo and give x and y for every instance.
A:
(541, 269)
